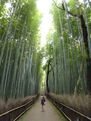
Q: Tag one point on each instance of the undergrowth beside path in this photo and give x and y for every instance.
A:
(81, 103)
(12, 103)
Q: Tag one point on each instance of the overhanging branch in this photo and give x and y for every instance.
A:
(63, 8)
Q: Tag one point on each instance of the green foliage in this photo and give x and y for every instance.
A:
(67, 49)
(20, 58)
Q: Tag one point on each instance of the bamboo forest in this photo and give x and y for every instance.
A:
(60, 68)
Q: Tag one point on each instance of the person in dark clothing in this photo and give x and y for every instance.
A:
(43, 103)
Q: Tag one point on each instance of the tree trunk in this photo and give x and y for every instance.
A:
(48, 71)
(89, 75)
(85, 38)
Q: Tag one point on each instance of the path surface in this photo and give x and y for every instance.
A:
(35, 113)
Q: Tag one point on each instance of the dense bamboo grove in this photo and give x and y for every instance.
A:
(68, 49)
(20, 59)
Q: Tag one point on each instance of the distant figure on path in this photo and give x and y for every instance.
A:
(43, 103)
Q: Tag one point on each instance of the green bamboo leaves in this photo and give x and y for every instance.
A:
(20, 60)
(68, 50)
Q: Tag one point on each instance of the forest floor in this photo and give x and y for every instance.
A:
(50, 113)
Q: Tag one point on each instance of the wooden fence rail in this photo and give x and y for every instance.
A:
(69, 113)
(14, 114)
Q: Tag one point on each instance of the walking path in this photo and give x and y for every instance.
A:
(35, 113)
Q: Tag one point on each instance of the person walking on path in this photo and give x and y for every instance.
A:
(43, 103)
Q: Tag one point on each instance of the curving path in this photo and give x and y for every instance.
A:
(35, 113)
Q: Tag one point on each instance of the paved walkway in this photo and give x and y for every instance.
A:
(35, 113)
